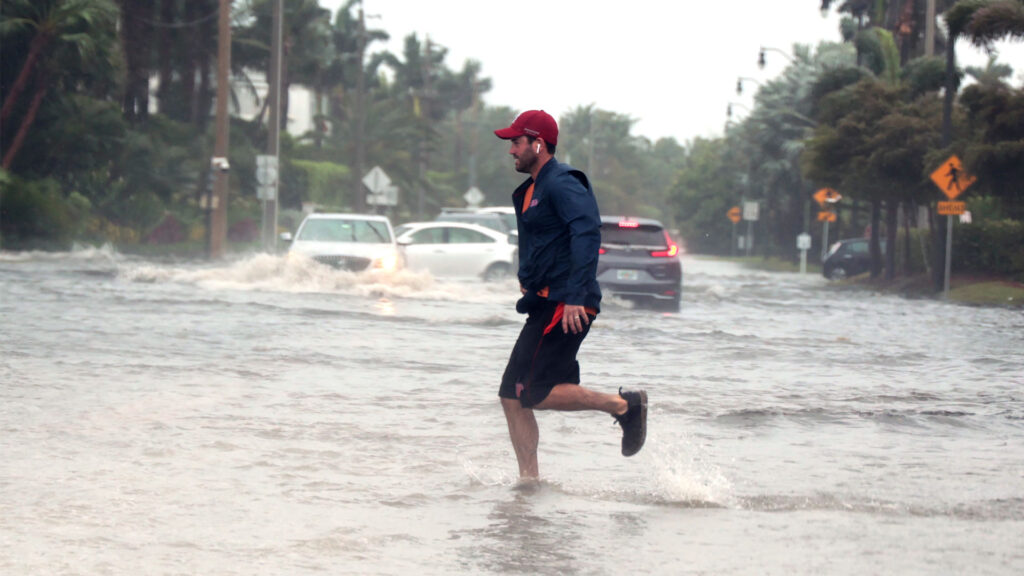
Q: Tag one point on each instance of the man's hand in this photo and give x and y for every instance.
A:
(574, 317)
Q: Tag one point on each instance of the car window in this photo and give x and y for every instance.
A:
(428, 236)
(857, 247)
(465, 236)
(492, 221)
(643, 235)
(340, 230)
(510, 221)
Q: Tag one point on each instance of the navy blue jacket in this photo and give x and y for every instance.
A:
(559, 236)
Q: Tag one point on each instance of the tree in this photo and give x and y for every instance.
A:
(78, 34)
(706, 187)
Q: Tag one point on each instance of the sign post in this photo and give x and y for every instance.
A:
(803, 243)
(824, 197)
(382, 193)
(952, 180)
(750, 214)
(734, 215)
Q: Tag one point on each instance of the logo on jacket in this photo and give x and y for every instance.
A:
(534, 202)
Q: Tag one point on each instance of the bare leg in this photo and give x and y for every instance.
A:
(522, 424)
(522, 428)
(572, 397)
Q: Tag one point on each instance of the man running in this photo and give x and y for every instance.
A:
(559, 238)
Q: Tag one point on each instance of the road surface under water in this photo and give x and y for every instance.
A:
(267, 415)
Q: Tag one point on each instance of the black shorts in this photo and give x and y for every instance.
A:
(543, 356)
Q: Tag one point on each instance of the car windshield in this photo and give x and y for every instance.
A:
(345, 230)
(640, 235)
(492, 221)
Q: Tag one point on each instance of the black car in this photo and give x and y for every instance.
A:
(639, 261)
(847, 258)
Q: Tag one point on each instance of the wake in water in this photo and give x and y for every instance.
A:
(295, 273)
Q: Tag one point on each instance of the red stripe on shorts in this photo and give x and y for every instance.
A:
(556, 319)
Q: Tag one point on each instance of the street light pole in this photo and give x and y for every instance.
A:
(739, 83)
(760, 56)
(728, 109)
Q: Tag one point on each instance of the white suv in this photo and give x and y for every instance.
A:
(352, 242)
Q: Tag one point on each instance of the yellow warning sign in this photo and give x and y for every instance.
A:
(952, 208)
(951, 178)
(824, 216)
(827, 195)
(734, 214)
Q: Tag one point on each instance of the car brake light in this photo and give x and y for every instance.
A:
(672, 250)
(601, 250)
(628, 224)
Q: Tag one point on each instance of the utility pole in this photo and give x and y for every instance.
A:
(929, 28)
(270, 200)
(421, 205)
(359, 200)
(219, 163)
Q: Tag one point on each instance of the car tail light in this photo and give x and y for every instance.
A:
(601, 250)
(671, 251)
(628, 224)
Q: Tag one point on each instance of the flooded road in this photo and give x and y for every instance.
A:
(271, 416)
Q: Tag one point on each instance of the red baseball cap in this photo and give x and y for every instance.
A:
(536, 123)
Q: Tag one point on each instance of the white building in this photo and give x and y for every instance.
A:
(251, 93)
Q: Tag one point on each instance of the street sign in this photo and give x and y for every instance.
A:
(376, 180)
(827, 195)
(750, 211)
(951, 178)
(386, 197)
(952, 208)
(825, 216)
(266, 170)
(734, 214)
(473, 197)
(803, 241)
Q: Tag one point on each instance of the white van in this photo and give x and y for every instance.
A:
(352, 242)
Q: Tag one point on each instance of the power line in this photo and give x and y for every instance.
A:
(157, 24)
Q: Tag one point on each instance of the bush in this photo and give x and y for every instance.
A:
(992, 247)
(35, 212)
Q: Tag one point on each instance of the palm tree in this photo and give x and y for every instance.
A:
(993, 74)
(77, 33)
(996, 20)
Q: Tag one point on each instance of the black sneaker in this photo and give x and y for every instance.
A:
(633, 422)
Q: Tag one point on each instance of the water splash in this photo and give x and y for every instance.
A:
(684, 473)
(299, 274)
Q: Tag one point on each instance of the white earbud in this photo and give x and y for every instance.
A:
(537, 148)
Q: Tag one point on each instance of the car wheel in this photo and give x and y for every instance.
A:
(838, 273)
(497, 271)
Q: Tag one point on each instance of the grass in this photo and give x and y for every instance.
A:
(991, 293)
(964, 288)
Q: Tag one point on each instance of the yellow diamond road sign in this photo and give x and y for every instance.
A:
(827, 195)
(951, 178)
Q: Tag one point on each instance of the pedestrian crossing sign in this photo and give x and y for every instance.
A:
(951, 178)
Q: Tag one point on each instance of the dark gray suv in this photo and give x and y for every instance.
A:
(639, 261)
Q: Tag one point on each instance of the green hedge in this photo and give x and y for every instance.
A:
(993, 247)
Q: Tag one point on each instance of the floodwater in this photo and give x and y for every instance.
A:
(267, 415)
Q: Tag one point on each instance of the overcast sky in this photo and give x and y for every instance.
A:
(670, 65)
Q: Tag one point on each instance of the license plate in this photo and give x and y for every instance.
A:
(628, 275)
